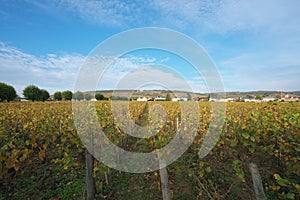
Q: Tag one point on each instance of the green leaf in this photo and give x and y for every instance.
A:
(281, 182)
(233, 143)
(245, 135)
(287, 196)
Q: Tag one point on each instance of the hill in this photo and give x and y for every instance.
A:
(155, 93)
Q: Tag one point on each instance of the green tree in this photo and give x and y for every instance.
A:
(87, 96)
(259, 97)
(278, 96)
(7, 92)
(189, 97)
(249, 96)
(78, 96)
(118, 98)
(57, 96)
(32, 93)
(99, 96)
(168, 97)
(67, 95)
(44, 95)
(208, 97)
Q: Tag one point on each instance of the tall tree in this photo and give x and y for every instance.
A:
(7, 92)
(259, 97)
(32, 93)
(189, 97)
(57, 96)
(87, 96)
(168, 97)
(44, 95)
(78, 96)
(99, 96)
(67, 95)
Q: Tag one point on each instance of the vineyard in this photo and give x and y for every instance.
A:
(42, 157)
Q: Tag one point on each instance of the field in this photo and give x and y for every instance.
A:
(42, 157)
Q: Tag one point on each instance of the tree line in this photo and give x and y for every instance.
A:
(7, 92)
(34, 93)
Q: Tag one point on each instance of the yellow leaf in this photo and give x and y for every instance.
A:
(17, 166)
(2, 158)
(277, 177)
(275, 188)
(34, 145)
(42, 154)
(77, 165)
(297, 187)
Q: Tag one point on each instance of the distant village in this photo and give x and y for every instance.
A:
(248, 98)
(185, 96)
(258, 99)
(161, 98)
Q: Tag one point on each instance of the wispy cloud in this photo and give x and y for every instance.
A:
(218, 16)
(146, 76)
(257, 71)
(255, 44)
(53, 72)
(108, 13)
(59, 72)
(131, 72)
(227, 16)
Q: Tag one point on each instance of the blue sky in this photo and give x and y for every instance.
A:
(255, 44)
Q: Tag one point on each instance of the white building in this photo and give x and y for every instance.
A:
(159, 98)
(218, 100)
(230, 99)
(175, 99)
(267, 99)
(290, 98)
(179, 99)
(184, 98)
(142, 99)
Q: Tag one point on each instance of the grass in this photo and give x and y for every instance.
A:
(43, 180)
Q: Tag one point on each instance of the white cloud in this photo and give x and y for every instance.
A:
(155, 76)
(223, 16)
(257, 72)
(59, 72)
(52, 72)
(220, 16)
(108, 13)
(272, 25)
(138, 72)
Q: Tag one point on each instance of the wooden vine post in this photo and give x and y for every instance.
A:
(90, 183)
(164, 179)
(89, 160)
(257, 183)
